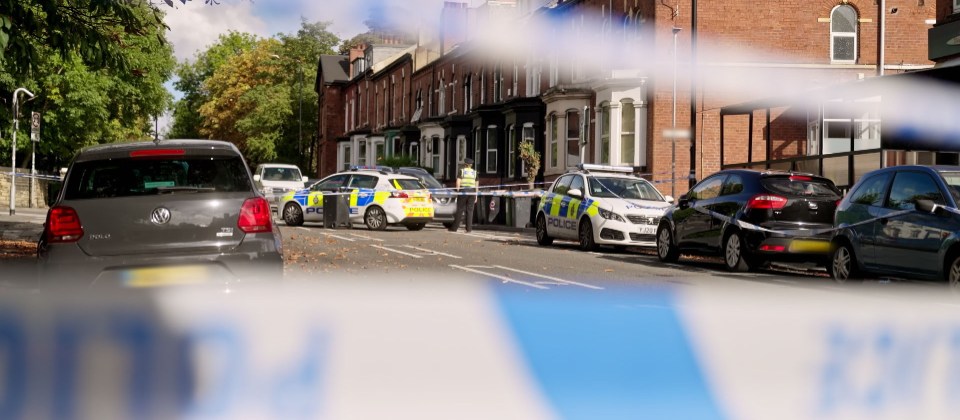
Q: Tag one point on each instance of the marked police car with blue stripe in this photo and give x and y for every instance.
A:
(601, 205)
(377, 198)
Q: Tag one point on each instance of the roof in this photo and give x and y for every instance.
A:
(279, 165)
(112, 150)
(334, 68)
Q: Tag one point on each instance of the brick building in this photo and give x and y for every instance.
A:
(605, 81)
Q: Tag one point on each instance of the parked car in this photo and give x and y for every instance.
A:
(888, 225)
(736, 214)
(601, 205)
(444, 199)
(377, 198)
(155, 213)
(275, 180)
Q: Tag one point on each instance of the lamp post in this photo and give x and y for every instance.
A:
(13, 155)
(673, 140)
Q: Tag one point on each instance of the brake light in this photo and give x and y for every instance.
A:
(63, 225)
(800, 178)
(774, 248)
(399, 194)
(255, 216)
(767, 201)
(156, 152)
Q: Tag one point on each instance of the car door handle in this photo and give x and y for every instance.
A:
(884, 220)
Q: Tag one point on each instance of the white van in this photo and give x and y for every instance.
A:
(274, 180)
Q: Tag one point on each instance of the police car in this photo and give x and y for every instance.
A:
(377, 197)
(601, 205)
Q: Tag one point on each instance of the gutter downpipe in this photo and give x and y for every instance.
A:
(883, 30)
(693, 96)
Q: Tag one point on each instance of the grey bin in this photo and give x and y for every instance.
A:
(336, 211)
(518, 211)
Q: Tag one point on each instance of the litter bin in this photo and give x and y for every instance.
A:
(336, 211)
(520, 211)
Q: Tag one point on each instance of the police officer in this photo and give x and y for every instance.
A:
(466, 200)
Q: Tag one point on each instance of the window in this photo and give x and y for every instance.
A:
(127, 177)
(628, 188)
(362, 153)
(573, 138)
(707, 189)
(605, 134)
(363, 181)
(527, 135)
(577, 184)
(461, 148)
(554, 147)
(498, 83)
(436, 153)
(733, 185)
(380, 151)
(397, 142)
(956, 6)
(908, 187)
(870, 192)
(346, 157)
(628, 144)
(467, 94)
(331, 183)
(563, 185)
(414, 151)
(483, 87)
(516, 79)
(476, 147)
(843, 34)
(533, 78)
(442, 102)
(492, 147)
(511, 151)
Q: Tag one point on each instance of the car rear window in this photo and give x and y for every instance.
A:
(144, 176)
(407, 184)
(425, 178)
(801, 186)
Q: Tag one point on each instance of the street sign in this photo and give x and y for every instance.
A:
(676, 133)
(35, 126)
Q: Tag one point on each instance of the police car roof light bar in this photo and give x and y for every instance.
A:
(381, 169)
(605, 168)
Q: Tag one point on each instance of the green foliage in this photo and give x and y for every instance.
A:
(398, 161)
(531, 158)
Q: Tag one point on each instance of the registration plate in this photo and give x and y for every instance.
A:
(165, 276)
(648, 230)
(809, 245)
(418, 211)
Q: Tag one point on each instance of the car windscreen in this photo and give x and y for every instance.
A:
(638, 189)
(425, 178)
(802, 186)
(146, 176)
(953, 181)
(407, 184)
(281, 174)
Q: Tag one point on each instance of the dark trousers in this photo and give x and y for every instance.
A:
(465, 203)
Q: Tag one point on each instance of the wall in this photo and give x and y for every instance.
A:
(23, 190)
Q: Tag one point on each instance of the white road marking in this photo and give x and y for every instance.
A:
(505, 279)
(397, 251)
(432, 252)
(566, 282)
(367, 237)
(339, 237)
(496, 237)
(783, 281)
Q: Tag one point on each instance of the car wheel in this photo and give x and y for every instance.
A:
(416, 226)
(735, 253)
(542, 237)
(953, 276)
(292, 215)
(375, 218)
(843, 264)
(666, 250)
(585, 234)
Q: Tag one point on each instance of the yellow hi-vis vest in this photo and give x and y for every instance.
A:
(468, 178)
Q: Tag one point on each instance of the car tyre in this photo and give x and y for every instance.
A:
(666, 250)
(416, 226)
(585, 234)
(292, 215)
(375, 218)
(843, 264)
(953, 275)
(735, 253)
(542, 237)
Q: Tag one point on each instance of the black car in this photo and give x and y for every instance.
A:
(752, 217)
(900, 221)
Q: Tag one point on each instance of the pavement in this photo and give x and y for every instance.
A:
(25, 225)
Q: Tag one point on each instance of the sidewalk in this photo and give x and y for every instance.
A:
(25, 225)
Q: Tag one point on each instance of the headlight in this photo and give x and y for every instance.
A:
(609, 215)
(267, 190)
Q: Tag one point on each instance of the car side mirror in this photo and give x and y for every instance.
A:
(304, 179)
(256, 178)
(575, 193)
(669, 199)
(684, 201)
(928, 206)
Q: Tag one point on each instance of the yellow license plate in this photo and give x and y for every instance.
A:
(419, 211)
(808, 245)
(165, 276)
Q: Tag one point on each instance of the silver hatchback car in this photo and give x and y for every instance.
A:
(159, 213)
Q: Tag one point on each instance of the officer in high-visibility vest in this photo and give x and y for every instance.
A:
(467, 194)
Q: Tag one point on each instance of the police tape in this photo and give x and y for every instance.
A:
(37, 176)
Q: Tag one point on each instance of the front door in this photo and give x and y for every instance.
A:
(910, 243)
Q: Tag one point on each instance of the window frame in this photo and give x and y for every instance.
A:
(492, 149)
(836, 34)
(574, 139)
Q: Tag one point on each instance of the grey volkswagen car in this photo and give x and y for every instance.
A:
(159, 213)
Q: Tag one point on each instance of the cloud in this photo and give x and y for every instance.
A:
(195, 25)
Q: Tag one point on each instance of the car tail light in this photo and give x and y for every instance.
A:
(399, 194)
(63, 225)
(774, 248)
(255, 216)
(800, 178)
(766, 201)
(156, 152)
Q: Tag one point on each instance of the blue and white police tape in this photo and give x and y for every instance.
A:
(37, 176)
